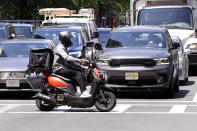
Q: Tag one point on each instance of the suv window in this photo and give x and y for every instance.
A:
(169, 39)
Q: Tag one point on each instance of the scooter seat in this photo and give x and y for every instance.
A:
(68, 80)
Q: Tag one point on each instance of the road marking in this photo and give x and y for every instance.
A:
(195, 98)
(157, 101)
(121, 108)
(178, 109)
(7, 107)
(18, 104)
(184, 113)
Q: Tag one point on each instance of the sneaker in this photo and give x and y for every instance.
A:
(85, 94)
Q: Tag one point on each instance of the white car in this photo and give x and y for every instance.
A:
(183, 61)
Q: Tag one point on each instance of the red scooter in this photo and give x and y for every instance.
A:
(57, 91)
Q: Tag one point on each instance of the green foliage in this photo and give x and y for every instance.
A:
(28, 9)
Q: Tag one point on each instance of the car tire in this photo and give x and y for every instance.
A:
(170, 91)
(187, 79)
(176, 83)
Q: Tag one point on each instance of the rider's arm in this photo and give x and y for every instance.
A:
(61, 51)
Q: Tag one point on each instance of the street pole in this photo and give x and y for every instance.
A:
(131, 12)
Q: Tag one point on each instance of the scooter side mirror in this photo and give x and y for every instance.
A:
(98, 46)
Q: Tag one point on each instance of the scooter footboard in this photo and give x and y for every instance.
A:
(76, 101)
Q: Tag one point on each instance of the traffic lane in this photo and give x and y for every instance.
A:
(97, 122)
(187, 93)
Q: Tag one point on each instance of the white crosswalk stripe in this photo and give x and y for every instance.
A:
(138, 108)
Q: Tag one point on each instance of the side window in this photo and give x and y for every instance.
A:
(91, 31)
(169, 41)
(11, 30)
(85, 33)
(93, 26)
(84, 37)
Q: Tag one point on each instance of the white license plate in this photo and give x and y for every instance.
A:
(12, 83)
(131, 76)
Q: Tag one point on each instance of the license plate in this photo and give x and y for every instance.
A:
(12, 83)
(131, 76)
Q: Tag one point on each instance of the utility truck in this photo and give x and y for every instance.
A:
(178, 16)
(66, 17)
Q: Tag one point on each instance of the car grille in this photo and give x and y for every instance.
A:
(132, 62)
(11, 75)
(142, 81)
(192, 58)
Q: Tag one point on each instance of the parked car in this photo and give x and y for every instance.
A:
(7, 31)
(140, 58)
(14, 58)
(80, 39)
(103, 35)
(25, 30)
(183, 61)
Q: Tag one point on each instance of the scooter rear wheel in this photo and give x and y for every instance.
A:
(106, 104)
(43, 106)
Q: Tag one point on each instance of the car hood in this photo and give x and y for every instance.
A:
(181, 33)
(75, 48)
(134, 53)
(14, 64)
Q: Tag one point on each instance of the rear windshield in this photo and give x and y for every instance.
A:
(172, 18)
(19, 49)
(23, 30)
(54, 36)
(67, 24)
(2, 32)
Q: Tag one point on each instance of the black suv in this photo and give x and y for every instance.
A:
(7, 31)
(140, 58)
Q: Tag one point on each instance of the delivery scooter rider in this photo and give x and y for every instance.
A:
(66, 65)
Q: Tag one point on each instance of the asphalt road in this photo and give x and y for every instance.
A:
(141, 112)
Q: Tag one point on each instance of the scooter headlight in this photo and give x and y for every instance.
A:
(103, 75)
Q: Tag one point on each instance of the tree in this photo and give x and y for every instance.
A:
(28, 9)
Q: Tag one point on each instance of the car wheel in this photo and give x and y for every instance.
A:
(187, 79)
(170, 91)
(176, 83)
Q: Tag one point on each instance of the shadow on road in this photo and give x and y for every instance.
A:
(16, 96)
(189, 83)
(149, 95)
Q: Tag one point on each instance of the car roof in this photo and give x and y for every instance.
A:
(167, 6)
(5, 24)
(68, 20)
(104, 29)
(140, 29)
(22, 24)
(25, 41)
(60, 28)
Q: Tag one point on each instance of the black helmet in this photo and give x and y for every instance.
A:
(65, 38)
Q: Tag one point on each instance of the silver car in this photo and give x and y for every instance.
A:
(14, 58)
(183, 61)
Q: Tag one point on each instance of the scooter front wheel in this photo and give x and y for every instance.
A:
(43, 106)
(107, 103)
